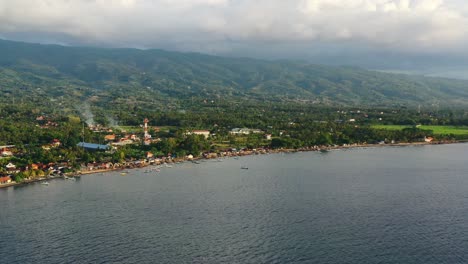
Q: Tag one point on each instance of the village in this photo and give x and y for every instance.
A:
(100, 148)
(13, 174)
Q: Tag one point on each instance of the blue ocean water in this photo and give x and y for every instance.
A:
(374, 205)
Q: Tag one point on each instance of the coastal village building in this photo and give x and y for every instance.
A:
(123, 142)
(6, 153)
(245, 131)
(109, 137)
(99, 166)
(93, 147)
(11, 168)
(54, 144)
(5, 180)
(205, 133)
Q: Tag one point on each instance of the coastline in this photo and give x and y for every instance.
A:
(229, 155)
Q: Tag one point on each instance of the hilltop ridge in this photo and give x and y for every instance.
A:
(79, 73)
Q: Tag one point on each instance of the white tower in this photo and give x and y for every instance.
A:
(147, 135)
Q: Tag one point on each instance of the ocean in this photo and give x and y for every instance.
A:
(362, 205)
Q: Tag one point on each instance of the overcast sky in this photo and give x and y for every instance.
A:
(277, 28)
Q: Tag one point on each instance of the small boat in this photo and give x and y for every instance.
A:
(45, 183)
(244, 168)
(152, 169)
(71, 178)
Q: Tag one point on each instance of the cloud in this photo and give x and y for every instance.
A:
(398, 24)
(222, 25)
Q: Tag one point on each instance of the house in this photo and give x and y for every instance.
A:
(109, 137)
(244, 131)
(268, 136)
(105, 166)
(6, 153)
(205, 133)
(55, 143)
(46, 147)
(428, 139)
(89, 166)
(11, 168)
(123, 142)
(149, 155)
(92, 146)
(5, 180)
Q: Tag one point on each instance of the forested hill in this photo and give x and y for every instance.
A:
(111, 75)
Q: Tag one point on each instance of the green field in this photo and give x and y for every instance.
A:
(438, 130)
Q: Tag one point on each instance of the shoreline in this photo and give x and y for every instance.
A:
(78, 174)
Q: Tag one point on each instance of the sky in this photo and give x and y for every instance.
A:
(371, 33)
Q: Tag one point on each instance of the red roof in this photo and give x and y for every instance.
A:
(5, 179)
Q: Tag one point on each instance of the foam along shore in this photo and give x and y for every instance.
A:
(224, 154)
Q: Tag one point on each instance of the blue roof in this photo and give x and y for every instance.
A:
(93, 146)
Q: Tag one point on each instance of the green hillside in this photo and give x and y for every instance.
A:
(46, 73)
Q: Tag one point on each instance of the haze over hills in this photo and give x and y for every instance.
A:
(77, 74)
(421, 37)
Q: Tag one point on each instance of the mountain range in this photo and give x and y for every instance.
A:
(106, 76)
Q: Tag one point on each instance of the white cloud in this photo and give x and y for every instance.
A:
(206, 25)
(395, 24)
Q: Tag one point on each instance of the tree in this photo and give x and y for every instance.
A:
(18, 177)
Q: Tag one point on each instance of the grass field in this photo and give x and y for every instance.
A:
(438, 130)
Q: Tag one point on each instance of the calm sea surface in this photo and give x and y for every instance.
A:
(377, 205)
